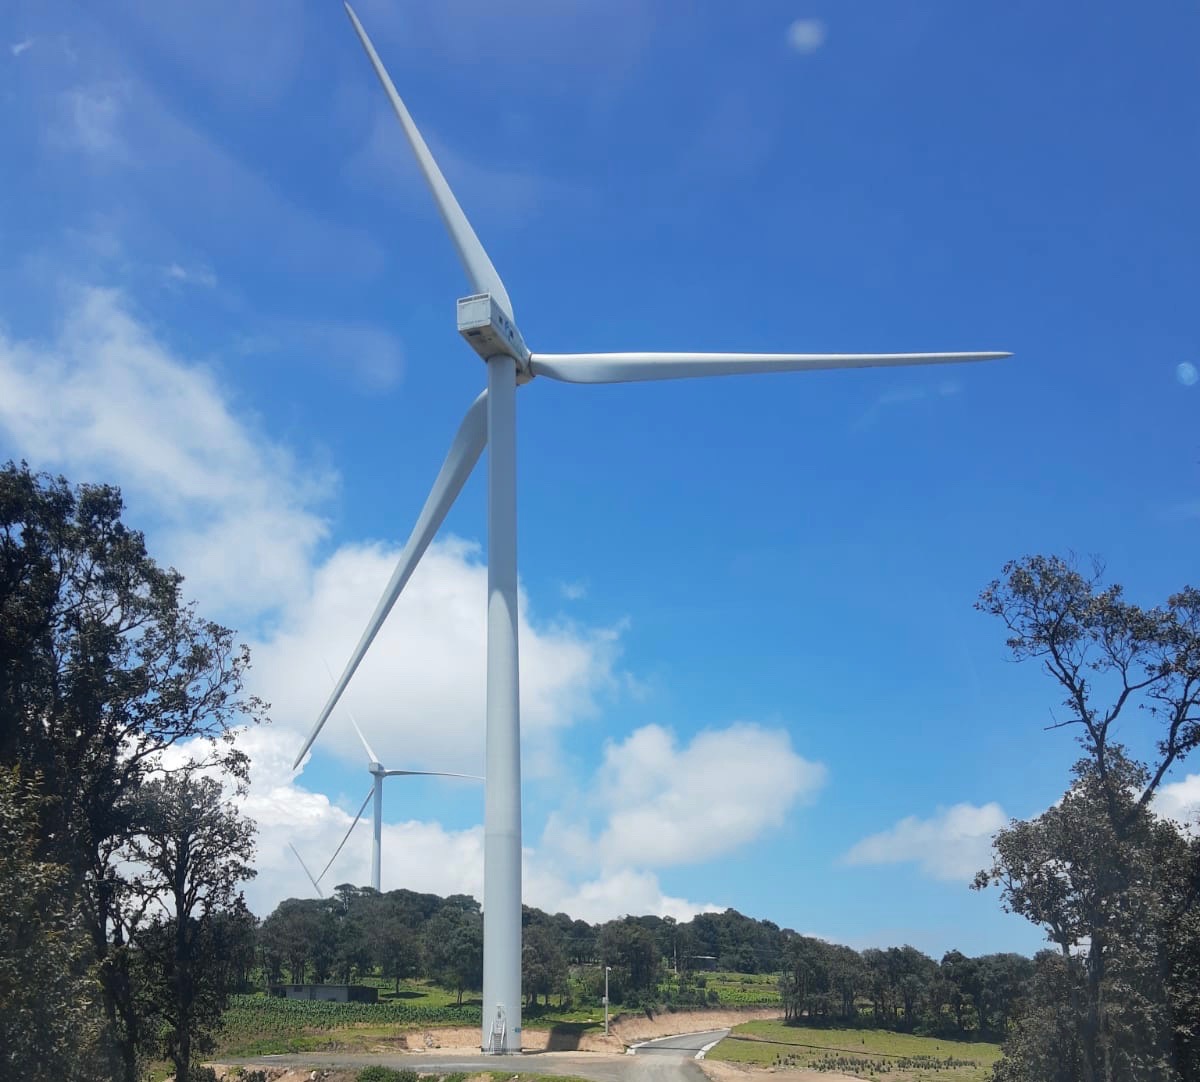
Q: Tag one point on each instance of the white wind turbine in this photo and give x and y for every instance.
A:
(486, 321)
(378, 773)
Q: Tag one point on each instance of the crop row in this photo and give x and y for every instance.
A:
(249, 1016)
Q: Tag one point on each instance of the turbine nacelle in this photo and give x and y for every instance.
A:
(490, 331)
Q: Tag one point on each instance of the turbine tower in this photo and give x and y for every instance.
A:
(486, 319)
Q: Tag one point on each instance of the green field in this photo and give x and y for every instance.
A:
(262, 1025)
(866, 1053)
(744, 989)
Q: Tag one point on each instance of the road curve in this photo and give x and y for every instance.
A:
(683, 1044)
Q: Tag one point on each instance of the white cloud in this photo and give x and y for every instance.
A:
(419, 694)
(417, 855)
(613, 894)
(666, 805)
(200, 276)
(953, 844)
(17, 48)
(1180, 800)
(106, 400)
(806, 36)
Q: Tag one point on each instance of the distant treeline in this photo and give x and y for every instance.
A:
(654, 961)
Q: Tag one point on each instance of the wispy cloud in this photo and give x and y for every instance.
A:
(903, 396)
(198, 276)
(806, 36)
(574, 591)
(21, 46)
(372, 355)
(952, 844)
(90, 121)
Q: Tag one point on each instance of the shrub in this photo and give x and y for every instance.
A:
(377, 1073)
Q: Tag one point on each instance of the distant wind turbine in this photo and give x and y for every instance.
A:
(378, 773)
(486, 321)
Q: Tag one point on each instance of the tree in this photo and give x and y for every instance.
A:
(543, 963)
(103, 668)
(454, 950)
(1108, 656)
(1114, 886)
(629, 948)
(291, 934)
(195, 850)
(49, 1001)
(804, 984)
(1044, 1044)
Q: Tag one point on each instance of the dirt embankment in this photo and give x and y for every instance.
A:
(626, 1030)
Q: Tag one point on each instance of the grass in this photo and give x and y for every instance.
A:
(867, 1053)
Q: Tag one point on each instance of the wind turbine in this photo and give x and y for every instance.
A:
(378, 773)
(486, 320)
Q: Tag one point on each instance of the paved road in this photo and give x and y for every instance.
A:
(668, 1059)
(686, 1044)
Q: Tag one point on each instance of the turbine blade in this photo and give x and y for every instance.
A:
(353, 721)
(296, 853)
(370, 793)
(366, 747)
(428, 774)
(480, 272)
(633, 367)
(464, 452)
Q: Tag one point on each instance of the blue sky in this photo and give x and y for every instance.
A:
(752, 674)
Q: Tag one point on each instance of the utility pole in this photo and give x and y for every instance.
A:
(606, 969)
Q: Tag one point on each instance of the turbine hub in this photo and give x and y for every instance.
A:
(376, 768)
(490, 331)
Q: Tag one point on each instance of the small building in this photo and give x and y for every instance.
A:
(328, 993)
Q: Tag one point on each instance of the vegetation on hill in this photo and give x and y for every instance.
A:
(359, 935)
